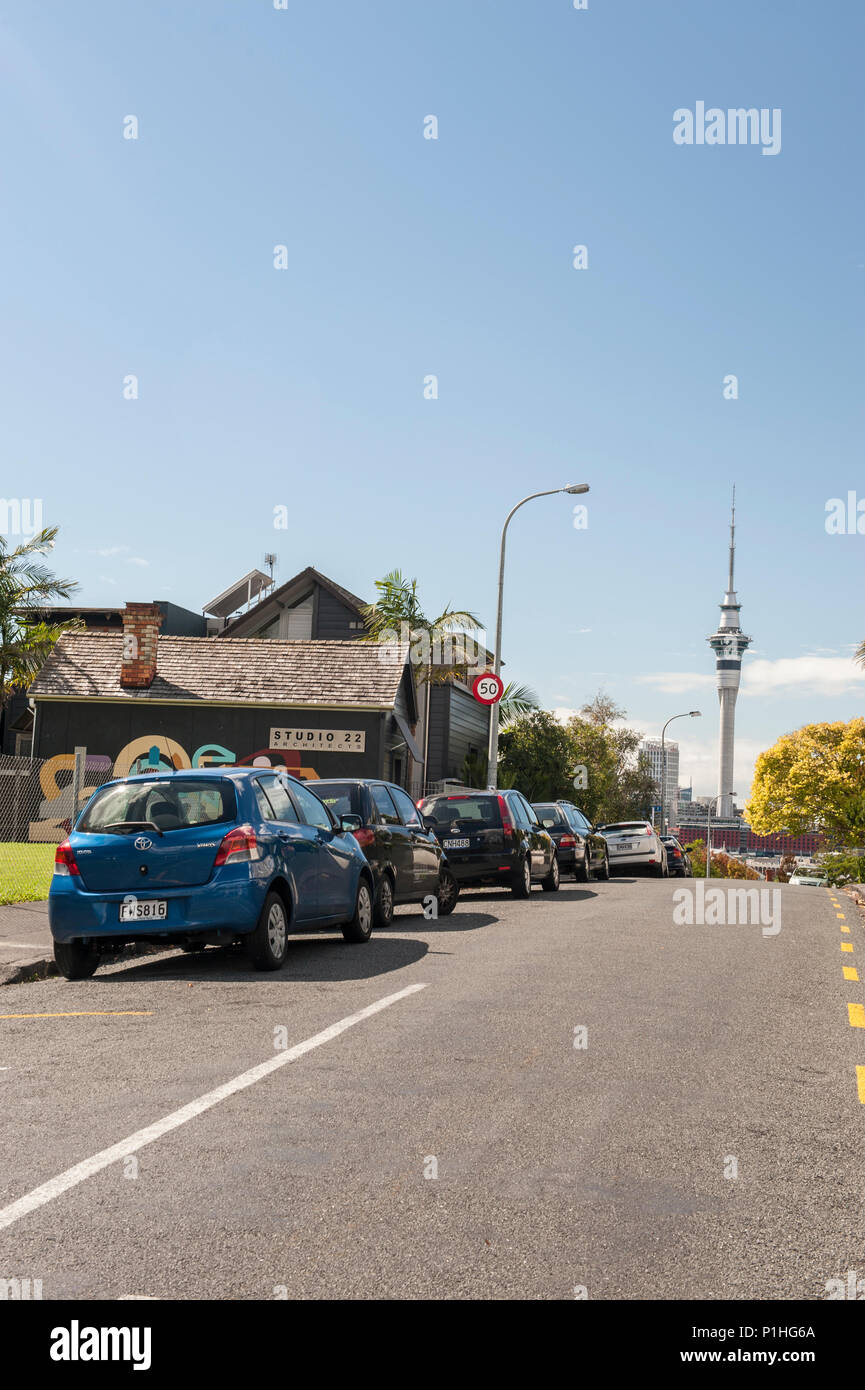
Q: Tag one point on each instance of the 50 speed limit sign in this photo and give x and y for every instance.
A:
(488, 688)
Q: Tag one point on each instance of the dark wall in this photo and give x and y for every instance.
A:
(180, 622)
(438, 731)
(468, 729)
(107, 728)
(333, 619)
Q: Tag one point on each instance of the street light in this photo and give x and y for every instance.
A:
(573, 489)
(689, 714)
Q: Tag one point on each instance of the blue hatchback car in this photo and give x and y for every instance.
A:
(207, 856)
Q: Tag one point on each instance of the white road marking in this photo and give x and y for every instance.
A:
(25, 946)
(86, 1169)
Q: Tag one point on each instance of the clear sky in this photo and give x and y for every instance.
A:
(407, 257)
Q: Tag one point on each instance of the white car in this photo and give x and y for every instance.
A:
(635, 844)
(808, 878)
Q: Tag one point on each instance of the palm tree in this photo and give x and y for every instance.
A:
(860, 654)
(26, 586)
(516, 701)
(397, 615)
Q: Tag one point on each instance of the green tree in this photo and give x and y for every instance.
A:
(26, 586)
(813, 777)
(619, 784)
(535, 755)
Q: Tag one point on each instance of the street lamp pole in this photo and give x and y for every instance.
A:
(712, 801)
(689, 714)
(493, 759)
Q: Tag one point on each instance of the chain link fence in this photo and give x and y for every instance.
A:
(38, 797)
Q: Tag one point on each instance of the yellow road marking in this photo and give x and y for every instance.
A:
(857, 1015)
(860, 1082)
(845, 927)
(91, 1013)
(841, 915)
(846, 945)
(850, 972)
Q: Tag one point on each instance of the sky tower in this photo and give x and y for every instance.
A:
(729, 644)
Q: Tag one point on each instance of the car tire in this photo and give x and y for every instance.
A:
(194, 947)
(74, 961)
(583, 872)
(521, 881)
(604, 873)
(359, 929)
(550, 884)
(661, 869)
(267, 944)
(448, 893)
(383, 911)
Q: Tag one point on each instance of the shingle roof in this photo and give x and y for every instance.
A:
(231, 670)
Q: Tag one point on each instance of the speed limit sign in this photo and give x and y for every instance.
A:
(488, 688)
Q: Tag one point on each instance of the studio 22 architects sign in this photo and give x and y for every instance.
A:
(319, 740)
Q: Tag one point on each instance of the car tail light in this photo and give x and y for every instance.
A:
(238, 846)
(676, 853)
(64, 860)
(567, 842)
(507, 823)
(364, 836)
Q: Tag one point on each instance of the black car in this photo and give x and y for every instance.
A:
(493, 837)
(582, 852)
(678, 858)
(407, 861)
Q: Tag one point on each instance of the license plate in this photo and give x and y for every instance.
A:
(153, 911)
(455, 844)
(624, 848)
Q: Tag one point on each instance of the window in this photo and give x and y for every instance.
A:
(578, 820)
(517, 809)
(278, 799)
(168, 805)
(384, 805)
(406, 807)
(314, 813)
(342, 798)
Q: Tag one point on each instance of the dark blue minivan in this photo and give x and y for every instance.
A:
(207, 856)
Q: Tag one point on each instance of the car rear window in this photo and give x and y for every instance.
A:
(163, 805)
(550, 816)
(627, 825)
(343, 798)
(480, 812)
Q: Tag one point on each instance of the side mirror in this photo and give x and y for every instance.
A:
(350, 823)
(429, 824)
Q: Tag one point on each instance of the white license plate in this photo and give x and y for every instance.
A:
(624, 848)
(153, 911)
(455, 844)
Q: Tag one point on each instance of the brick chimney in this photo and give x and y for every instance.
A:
(141, 624)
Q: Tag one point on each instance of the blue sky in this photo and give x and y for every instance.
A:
(304, 387)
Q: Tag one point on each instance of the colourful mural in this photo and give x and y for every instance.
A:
(146, 754)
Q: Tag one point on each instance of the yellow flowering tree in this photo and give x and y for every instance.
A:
(812, 777)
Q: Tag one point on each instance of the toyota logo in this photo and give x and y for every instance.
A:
(142, 842)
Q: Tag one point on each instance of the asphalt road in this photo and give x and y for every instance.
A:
(606, 1167)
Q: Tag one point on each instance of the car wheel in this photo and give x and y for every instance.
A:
(521, 883)
(192, 947)
(550, 884)
(661, 870)
(583, 871)
(74, 961)
(604, 874)
(267, 945)
(360, 927)
(383, 914)
(448, 893)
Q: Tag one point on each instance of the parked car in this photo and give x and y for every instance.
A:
(635, 844)
(493, 837)
(581, 850)
(808, 878)
(678, 858)
(201, 857)
(407, 861)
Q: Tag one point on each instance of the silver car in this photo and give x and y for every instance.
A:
(635, 844)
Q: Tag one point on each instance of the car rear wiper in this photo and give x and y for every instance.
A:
(132, 825)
